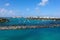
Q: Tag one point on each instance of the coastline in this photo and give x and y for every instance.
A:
(27, 27)
(22, 21)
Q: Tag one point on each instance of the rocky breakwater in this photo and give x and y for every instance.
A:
(27, 27)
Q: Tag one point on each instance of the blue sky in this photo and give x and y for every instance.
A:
(25, 8)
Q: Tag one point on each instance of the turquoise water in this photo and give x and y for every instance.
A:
(27, 22)
(31, 34)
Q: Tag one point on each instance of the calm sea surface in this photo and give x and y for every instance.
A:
(31, 34)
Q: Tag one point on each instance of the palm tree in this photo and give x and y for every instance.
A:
(3, 20)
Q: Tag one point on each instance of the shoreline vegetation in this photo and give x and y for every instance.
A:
(30, 18)
(2, 20)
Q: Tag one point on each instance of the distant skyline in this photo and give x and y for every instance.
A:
(25, 8)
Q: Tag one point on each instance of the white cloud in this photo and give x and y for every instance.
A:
(10, 11)
(37, 10)
(27, 9)
(7, 4)
(43, 3)
(4, 12)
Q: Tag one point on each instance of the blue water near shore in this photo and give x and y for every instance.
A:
(27, 22)
(31, 34)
